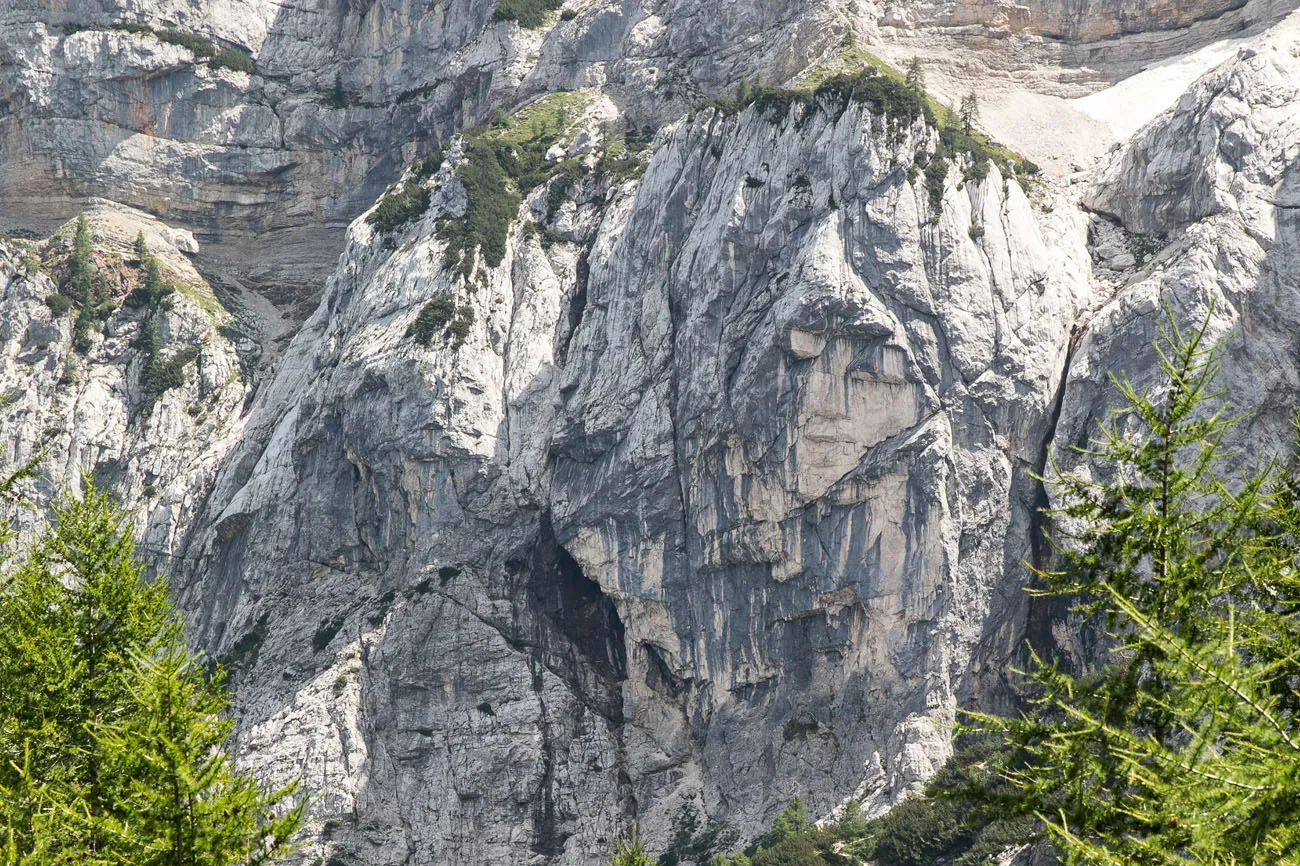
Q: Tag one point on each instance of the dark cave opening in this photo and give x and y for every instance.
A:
(574, 632)
(576, 607)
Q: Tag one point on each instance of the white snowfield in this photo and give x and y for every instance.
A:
(1132, 103)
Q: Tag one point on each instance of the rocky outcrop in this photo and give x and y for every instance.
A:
(268, 168)
(91, 408)
(1209, 193)
(700, 503)
(1075, 20)
(715, 488)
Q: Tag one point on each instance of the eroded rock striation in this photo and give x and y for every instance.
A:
(669, 462)
(700, 503)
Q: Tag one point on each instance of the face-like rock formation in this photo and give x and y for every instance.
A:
(724, 495)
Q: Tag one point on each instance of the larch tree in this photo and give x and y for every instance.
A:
(113, 741)
(1185, 747)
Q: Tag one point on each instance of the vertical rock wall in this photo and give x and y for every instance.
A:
(723, 494)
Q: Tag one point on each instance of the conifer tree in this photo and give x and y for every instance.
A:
(630, 851)
(852, 823)
(1186, 747)
(916, 75)
(80, 281)
(969, 113)
(792, 821)
(111, 741)
(338, 97)
(177, 799)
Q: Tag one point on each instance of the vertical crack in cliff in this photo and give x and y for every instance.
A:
(1045, 610)
(577, 305)
(548, 838)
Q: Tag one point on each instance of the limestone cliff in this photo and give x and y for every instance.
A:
(698, 473)
(267, 163)
(1207, 195)
(82, 397)
(700, 503)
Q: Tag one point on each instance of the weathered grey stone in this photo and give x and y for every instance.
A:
(91, 412)
(728, 492)
(1216, 180)
(682, 562)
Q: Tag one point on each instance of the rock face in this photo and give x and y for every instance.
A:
(1071, 20)
(724, 497)
(1210, 192)
(267, 169)
(92, 409)
(710, 485)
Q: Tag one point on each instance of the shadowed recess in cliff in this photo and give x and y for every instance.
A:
(573, 629)
(573, 622)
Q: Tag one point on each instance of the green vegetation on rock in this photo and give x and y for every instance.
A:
(624, 150)
(159, 373)
(883, 94)
(203, 48)
(441, 318)
(165, 373)
(900, 98)
(78, 284)
(1185, 747)
(59, 304)
(83, 289)
(199, 46)
(504, 161)
(397, 208)
(409, 201)
(233, 59)
(493, 202)
(153, 291)
(530, 14)
(630, 851)
(959, 139)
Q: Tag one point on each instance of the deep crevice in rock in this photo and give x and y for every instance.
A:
(1044, 611)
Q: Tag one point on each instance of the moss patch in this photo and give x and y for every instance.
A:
(203, 48)
(504, 161)
(442, 319)
(408, 201)
(530, 14)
